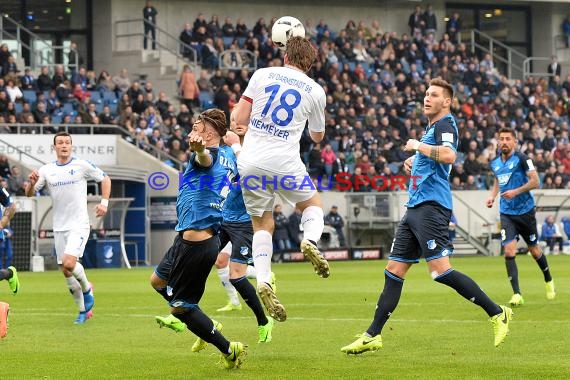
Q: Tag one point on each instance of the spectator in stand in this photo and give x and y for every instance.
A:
(328, 157)
(188, 88)
(315, 161)
(457, 171)
(200, 22)
(27, 81)
(139, 104)
(40, 112)
(106, 117)
(430, 20)
(549, 141)
(209, 55)
(280, 234)
(551, 234)
(454, 26)
(149, 24)
(14, 93)
(335, 220)
(105, 82)
(15, 180)
(5, 170)
(26, 116)
(74, 59)
(80, 94)
(186, 42)
(124, 102)
(295, 228)
(122, 81)
(4, 54)
(185, 118)
(222, 100)
(566, 30)
(241, 28)
(471, 165)
(80, 77)
(58, 76)
(152, 117)
(233, 58)
(456, 184)
(162, 104)
(91, 83)
(4, 101)
(135, 90)
(178, 138)
(213, 27)
(416, 23)
(44, 82)
(228, 29)
(10, 68)
(471, 183)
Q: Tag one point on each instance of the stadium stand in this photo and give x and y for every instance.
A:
(375, 82)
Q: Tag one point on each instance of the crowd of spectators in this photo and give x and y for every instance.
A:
(375, 81)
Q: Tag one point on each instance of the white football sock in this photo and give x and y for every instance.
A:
(224, 275)
(79, 274)
(76, 293)
(313, 223)
(262, 247)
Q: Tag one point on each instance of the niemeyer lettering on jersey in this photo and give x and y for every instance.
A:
(269, 128)
(341, 182)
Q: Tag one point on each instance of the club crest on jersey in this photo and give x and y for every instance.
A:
(511, 165)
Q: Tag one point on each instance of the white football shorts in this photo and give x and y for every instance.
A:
(259, 187)
(71, 242)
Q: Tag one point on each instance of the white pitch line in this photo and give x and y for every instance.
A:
(151, 317)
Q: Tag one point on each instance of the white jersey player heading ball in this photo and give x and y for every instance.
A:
(276, 106)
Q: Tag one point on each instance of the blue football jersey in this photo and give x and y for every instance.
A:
(432, 183)
(200, 198)
(511, 174)
(234, 210)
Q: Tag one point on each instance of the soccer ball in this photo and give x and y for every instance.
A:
(285, 28)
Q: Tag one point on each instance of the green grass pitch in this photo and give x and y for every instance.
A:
(434, 333)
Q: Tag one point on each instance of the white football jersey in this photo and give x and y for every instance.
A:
(67, 185)
(283, 100)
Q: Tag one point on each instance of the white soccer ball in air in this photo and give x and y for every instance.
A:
(285, 28)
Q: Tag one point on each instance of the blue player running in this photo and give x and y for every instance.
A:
(423, 231)
(515, 177)
(181, 276)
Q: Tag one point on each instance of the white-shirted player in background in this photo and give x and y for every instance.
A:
(66, 179)
(276, 105)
